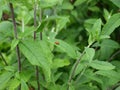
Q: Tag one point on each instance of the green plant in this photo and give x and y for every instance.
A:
(60, 44)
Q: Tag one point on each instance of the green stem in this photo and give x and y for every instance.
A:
(3, 59)
(74, 68)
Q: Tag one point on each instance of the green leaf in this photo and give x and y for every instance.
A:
(24, 85)
(118, 88)
(107, 45)
(10, 68)
(14, 43)
(78, 2)
(4, 79)
(49, 3)
(113, 76)
(110, 43)
(14, 83)
(57, 63)
(90, 52)
(95, 31)
(38, 53)
(28, 31)
(111, 24)
(61, 22)
(109, 73)
(107, 15)
(65, 47)
(25, 75)
(101, 65)
(6, 29)
(116, 2)
(67, 5)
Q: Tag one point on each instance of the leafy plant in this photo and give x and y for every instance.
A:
(60, 44)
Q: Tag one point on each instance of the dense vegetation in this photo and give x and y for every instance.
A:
(59, 45)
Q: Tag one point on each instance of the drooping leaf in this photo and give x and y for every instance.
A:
(111, 24)
(101, 65)
(38, 53)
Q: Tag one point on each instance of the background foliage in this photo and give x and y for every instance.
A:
(79, 50)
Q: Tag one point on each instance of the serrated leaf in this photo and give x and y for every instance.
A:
(111, 24)
(101, 65)
(38, 53)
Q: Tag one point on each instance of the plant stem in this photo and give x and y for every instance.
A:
(116, 53)
(75, 67)
(3, 59)
(37, 68)
(15, 36)
(40, 16)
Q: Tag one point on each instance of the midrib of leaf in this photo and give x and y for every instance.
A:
(30, 51)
